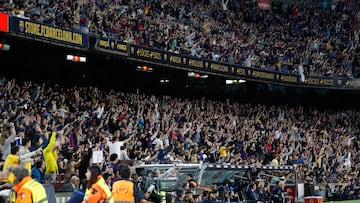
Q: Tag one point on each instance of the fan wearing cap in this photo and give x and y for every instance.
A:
(26, 189)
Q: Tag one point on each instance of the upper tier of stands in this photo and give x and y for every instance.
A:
(317, 38)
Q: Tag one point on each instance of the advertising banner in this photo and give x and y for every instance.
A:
(4, 22)
(112, 45)
(146, 53)
(48, 33)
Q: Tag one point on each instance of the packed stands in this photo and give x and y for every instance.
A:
(317, 38)
(323, 143)
(320, 38)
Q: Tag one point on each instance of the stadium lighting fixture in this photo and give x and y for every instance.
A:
(229, 82)
(196, 75)
(4, 47)
(76, 58)
(144, 68)
(164, 81)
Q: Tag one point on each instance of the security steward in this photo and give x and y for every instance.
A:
(96, 188)
(26, 189)
(124, 190)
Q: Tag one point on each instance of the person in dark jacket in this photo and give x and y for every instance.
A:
(252, 194)
(37, 172)
(278, 195)
(72, 185)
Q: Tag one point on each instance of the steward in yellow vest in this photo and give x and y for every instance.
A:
(97, 190)
(124, 190)
(26, 189)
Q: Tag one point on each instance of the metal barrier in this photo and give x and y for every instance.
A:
(62, 197)
(4, 196)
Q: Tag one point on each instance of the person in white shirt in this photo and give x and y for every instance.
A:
(224, 4)
(100, 110)
(301, 72)
(277, 134)
(115, 145)
(159, 144)
(123, 153)
(24, 148)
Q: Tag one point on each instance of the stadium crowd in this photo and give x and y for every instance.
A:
(75, 122)
(302, 37)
